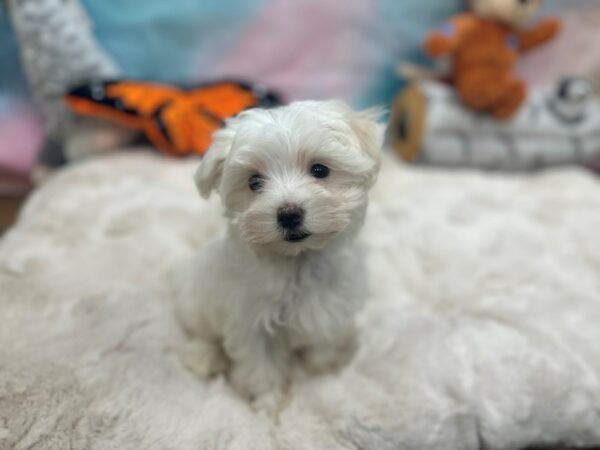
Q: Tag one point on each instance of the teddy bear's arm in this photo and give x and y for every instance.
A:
(538, 35)
(445, 40)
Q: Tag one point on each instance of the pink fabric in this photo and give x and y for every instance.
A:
(290, 42)
(22, 134)
(573, 53)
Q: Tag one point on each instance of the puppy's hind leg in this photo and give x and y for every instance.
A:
(202, 352)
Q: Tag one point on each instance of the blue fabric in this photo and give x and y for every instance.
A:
(405, 25)
(11, 75)
(163, 39)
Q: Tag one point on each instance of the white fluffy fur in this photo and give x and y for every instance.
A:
(256, 299)
(481, 329)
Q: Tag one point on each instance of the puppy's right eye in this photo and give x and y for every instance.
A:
(255, 183)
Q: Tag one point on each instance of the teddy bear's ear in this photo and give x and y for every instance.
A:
(209, 174)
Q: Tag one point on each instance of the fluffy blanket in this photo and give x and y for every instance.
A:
(483, 330)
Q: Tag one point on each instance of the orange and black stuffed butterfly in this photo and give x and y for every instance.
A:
(177, 121)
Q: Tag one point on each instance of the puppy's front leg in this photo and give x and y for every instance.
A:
(260, 363)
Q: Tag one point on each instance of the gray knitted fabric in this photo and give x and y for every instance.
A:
(58, 49)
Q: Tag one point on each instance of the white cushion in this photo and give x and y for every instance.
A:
(483, 328)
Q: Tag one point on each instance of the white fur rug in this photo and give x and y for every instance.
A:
(483, 330)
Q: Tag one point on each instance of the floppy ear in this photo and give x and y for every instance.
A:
(370, 136)
(208, 176)
(369, 132)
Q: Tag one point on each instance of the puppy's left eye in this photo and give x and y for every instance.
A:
(319, 171)
(255, 183)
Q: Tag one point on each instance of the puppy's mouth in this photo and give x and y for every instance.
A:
(296, 236)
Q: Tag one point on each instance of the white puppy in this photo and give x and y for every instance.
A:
(285, 281)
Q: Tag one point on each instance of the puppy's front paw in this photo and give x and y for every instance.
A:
(272, 403)
(329, 358)
(205, 358)
(253, 382)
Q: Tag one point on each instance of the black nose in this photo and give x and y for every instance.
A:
(290, 217)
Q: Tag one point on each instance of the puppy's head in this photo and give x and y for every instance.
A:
(295, 177)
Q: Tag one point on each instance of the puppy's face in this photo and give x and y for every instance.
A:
(295, 177)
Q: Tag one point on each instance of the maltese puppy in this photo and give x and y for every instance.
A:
(283, 284)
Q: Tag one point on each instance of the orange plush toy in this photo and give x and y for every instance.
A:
(484, 46)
